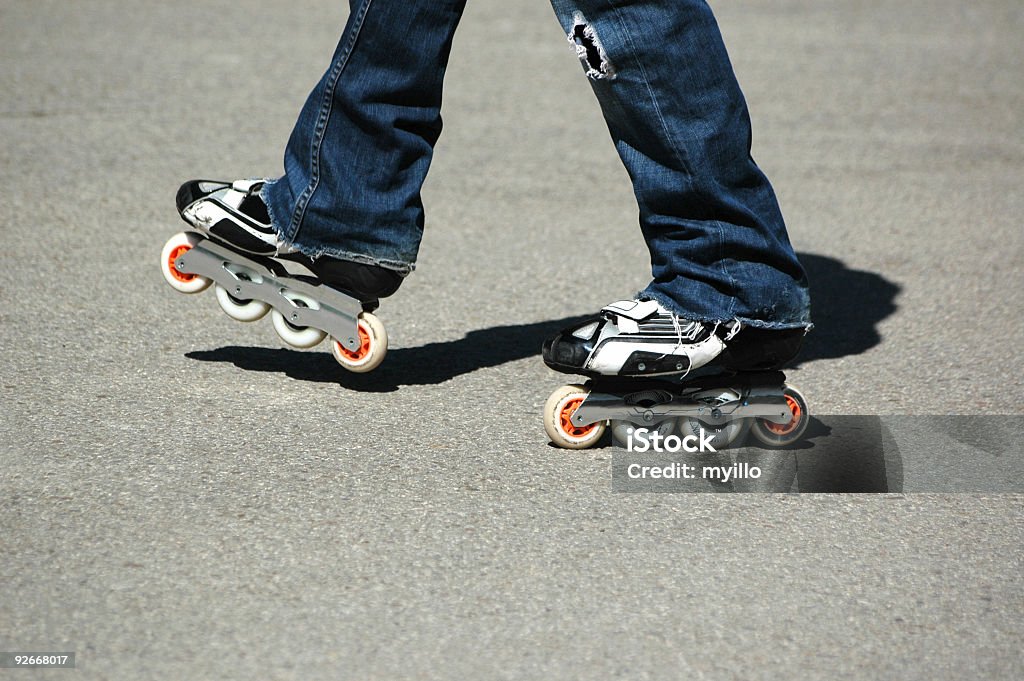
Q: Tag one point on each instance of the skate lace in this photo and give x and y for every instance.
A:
(692, 331)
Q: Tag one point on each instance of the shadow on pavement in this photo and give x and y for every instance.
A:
(846, 308)
(428, 364)
(847, 304)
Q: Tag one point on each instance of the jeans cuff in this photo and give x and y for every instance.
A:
(672, 306)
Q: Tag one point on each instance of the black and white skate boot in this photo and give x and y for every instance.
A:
(634, 338)
(234, 214)
(642, 339)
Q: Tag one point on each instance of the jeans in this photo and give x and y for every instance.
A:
(361, 147)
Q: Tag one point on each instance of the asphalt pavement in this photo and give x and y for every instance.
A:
(183, 497)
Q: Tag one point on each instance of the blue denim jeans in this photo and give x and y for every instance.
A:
(359, 153)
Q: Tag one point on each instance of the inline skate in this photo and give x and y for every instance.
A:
(235, 248)
(649, 368)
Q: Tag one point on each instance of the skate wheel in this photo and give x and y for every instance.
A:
(240, 310)
(297, 336)
(373, 346)
(722, 435)
(558, 411)
(779, 434)
(621, 430)
(176, 246)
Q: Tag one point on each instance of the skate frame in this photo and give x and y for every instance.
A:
(761, 396)
(338, 314)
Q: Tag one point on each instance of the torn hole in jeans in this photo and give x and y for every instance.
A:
(589, 49)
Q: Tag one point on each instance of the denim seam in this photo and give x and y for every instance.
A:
(320, 131)
(647, 82)
(672, 142)
(265, 197)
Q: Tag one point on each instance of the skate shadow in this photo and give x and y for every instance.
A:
(838, 455)
(428, 364)
(846, 307)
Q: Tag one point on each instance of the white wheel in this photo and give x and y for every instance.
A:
(722, 434)
(240, 310)
(297, 336)
(373, 346)
(778, 434)
(622, 430)
(558, 411)
(177, 246)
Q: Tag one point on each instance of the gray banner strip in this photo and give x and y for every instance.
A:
(844, 454)
(37, 660)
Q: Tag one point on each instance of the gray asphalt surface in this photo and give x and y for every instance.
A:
(183, 498)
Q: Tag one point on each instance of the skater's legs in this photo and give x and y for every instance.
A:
(360, 150)
(718, 243)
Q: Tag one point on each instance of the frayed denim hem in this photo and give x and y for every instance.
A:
(400, 266)
(672, 306)
(403, 268)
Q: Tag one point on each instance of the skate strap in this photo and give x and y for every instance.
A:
(632, 309)
(247, 186)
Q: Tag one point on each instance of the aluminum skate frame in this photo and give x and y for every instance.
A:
(338, 314)
(761, 401)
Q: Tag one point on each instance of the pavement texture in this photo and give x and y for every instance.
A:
(181, 497)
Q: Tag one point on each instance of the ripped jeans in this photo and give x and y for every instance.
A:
(361, 147)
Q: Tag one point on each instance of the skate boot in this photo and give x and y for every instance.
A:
(651, 369)
(236, 247)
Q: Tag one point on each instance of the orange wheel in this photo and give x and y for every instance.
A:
(184, 282)
(794, 423)
(362, 351)
(782, 434)
(176, 253)
(373, 346)
(565, 419)
(558, 412)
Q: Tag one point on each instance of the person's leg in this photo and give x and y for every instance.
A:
(360, 150)
(718, 243)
